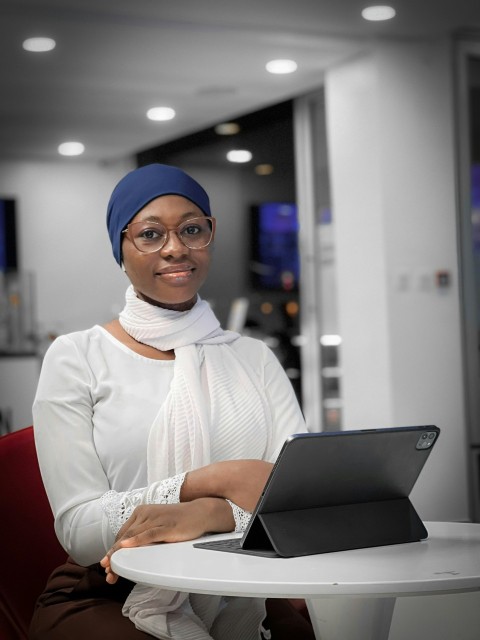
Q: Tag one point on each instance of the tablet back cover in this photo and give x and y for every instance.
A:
(343, 490)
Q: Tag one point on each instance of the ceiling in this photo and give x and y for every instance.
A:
(114, 59)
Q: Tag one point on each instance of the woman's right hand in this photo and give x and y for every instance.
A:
(154, 523)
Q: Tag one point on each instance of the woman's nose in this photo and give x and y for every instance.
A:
(173, 245)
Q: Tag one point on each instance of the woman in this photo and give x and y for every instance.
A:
(157, 427)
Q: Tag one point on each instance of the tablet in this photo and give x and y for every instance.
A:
(333, 491)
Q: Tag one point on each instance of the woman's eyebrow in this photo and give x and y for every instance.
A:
(151, 218)
(183, 216)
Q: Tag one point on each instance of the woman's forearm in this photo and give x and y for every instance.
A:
(241, 481)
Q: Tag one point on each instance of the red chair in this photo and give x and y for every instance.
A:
(28, 544)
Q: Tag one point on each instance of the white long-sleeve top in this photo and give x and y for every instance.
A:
(95, 403)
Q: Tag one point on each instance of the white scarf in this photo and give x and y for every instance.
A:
(211, 386)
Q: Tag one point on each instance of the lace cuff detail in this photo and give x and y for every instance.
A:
(118, 507)
(241, 517)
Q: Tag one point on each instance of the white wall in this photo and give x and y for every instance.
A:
(18, 384)
(63, 241)
(391, 139)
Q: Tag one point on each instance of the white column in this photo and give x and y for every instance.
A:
(390, 126)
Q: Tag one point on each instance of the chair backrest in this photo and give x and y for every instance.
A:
(28, 544)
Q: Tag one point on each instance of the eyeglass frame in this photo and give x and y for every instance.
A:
(213, 221)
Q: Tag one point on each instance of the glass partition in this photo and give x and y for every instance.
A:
(321, 342)
(468, 94)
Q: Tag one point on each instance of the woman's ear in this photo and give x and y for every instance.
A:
(123, 267)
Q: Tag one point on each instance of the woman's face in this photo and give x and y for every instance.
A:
(172, 276)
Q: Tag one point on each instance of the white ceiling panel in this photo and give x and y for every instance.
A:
(114, 59)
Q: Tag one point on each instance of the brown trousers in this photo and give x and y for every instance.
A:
(78, 604)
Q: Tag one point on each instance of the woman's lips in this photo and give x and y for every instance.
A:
(175, 273)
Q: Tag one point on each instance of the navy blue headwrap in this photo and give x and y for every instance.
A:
(141, 186)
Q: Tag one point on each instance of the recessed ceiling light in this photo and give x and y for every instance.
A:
(264, 169)
(239, 155)
(378, 13)
(227, 128)
(161, 113)
(330, 340)
(281, 66)
(39, 45)
(71, 149)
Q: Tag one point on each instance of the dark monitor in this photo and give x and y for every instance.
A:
(275, 263)
(8, 235)
(475, 200)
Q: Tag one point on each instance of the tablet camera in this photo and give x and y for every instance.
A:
(426, 440)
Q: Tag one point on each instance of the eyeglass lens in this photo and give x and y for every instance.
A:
(148, 236)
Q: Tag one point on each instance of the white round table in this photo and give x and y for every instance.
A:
(350, 594)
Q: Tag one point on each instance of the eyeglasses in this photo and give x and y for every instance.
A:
(148, 236)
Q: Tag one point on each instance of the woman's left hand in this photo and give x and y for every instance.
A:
(153, 523)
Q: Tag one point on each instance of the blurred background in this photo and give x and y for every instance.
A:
(348, 218)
